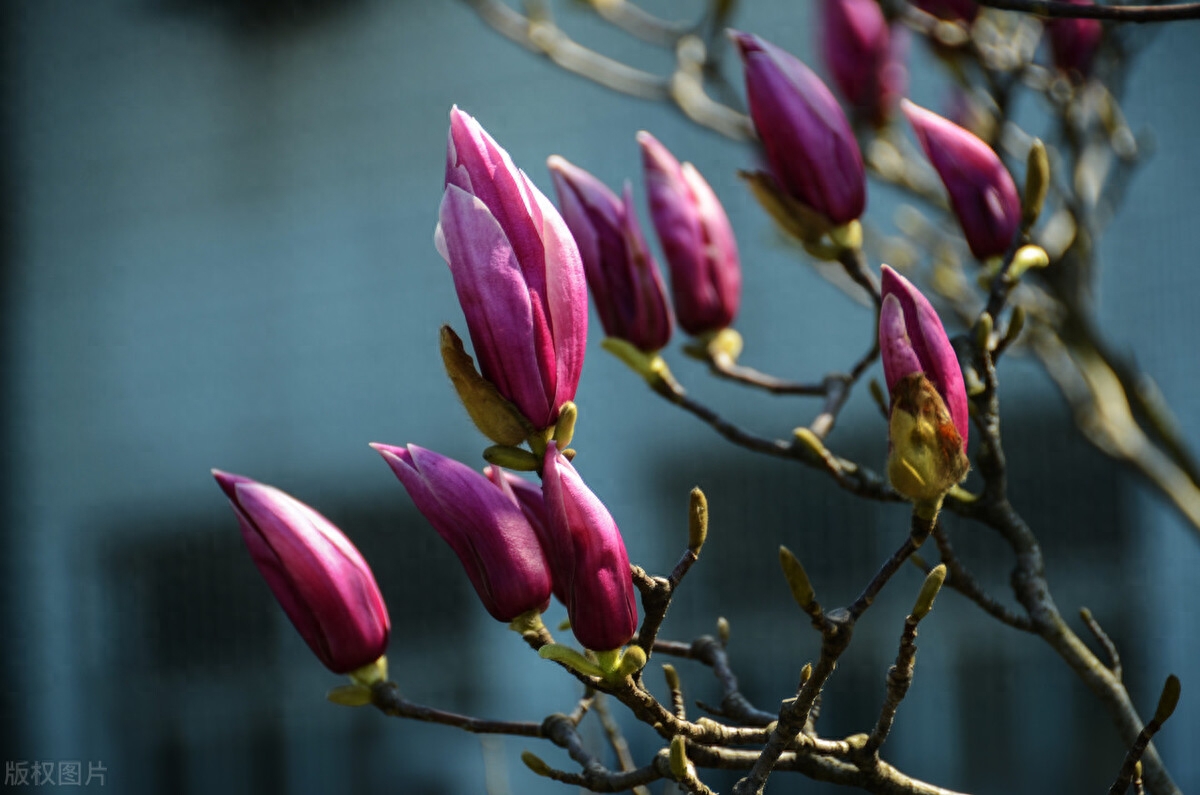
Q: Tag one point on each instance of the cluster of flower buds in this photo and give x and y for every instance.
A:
(519, 543)
(864, 55)
(319, 578)
(928, 423)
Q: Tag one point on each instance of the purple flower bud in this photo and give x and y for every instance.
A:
(982, 191)
(624, 279)
(486, 529)
(588, 554)
(1073, 42)
(319, 578)
(517, 272)
(912, 340)
(528, 497)
(697, 240)
(809, 145)
(927, 424)
(951, 10)
(864, 57)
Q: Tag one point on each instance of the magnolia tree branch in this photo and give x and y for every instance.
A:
(1029, 577)
(1117, 13)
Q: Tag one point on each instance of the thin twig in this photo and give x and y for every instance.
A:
(386, 697)
(960, 579)
(617, 740)
(1110, 648)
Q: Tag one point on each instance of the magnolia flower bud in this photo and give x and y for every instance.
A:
(864, 57)
(1074, 42)
(319, 578)
(982, 192)
(528, 497)
(810, 148)
(928, 425)
(623, 277)
(517, 272)
(952, 10)
(588, 556)
(490, 534)
(697, 240)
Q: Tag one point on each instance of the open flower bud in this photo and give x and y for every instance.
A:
(1074, 42)
(697, 240)
(588, 555)
(810, 148)
(493, 539)
(624, 279)
(982, 192)
(864, 57)
(517, 272)
(319, 578)
(928, 423)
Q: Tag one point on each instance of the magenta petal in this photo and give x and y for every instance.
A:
(316, 574)
(517, 271)
(623, 278)
(567, 299)
(697, 240)
(931, 346)
(528, 497)
(982, 192)
(487, 530)
(491, 290)
(809, 145)
(896, 350)
(723, 265)
(854, 41)
(587, 543)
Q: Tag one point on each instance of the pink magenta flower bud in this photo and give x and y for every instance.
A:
(982, 192)
(528, 497)
(319, 578)
(912, 340)
(864, 57)
(588, 552)
(494, 541)
(928, 423)
(810, 148)
(517, 272)
(624, 279)
(697, 240)
(1074, 42)
(951, 10)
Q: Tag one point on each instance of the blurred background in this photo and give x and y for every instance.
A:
(217, 251)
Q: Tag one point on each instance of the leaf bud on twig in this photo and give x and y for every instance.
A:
(1168, 700)
(1037, 183)
(535, 763)
(929, 591)
(678, 757)
(697, 521)
(797, 579)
